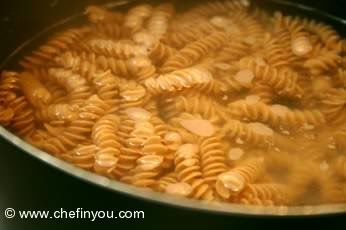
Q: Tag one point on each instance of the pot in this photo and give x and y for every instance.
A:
(23, 35)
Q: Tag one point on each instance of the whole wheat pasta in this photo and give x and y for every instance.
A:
(53, 112)
(242, 132)
(178, 80)
(62, 41)
(218, 102)
(98, 14)
(34, 90)
(188, 169)
(200, 104)
(82, 156)
(275, 115)
(194, 51)
(105, 138)
(334, 105)
(135, 17)
(165, 180)
(267, 194)
(159, 21)
(232, 182)
(213, 158)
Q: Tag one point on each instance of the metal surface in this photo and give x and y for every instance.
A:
(232, 209)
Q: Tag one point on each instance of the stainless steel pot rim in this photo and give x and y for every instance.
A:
(147, 194)
(226, 208)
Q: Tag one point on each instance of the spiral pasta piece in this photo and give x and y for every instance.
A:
(179, 80)
(34, 90)
(253, 133)
(161, 52)
(325, 32)
(86, 64)
(188, 170)
(334, 105)
(61, 112)
(158, 22)
(113, 49)
(9, 81)
(146, 171)
(128, 156)
(232, 182)
(252, 29)
(265, 194)
(135, 17)
(165, 180)
(302, 118)
(75, 85)
(182, 37)
(326, 60)
(82, 156)
(132, 94)
(23, 118)
(139, 137)
(263, 92)
(16, 111)
(142, 68)
(212, 158)
(92, 109)
(301, 45)
(280, 79)
(6, 116)
(105, 138)
(278, 50)
(97, 14)
(194, 51)
(256, 110)
(193, 104)
(118, 67)
(234, 50)
(172, 141)
(107, 89)
(275, 115)
(59, 42)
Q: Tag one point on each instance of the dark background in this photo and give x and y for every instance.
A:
(28, 184)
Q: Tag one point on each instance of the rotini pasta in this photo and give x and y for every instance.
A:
(234, 181)
(199, 104)
(334, 105)
(265, 194)
(34, 90)
(283, 80)
(105, 138)
(166, 180)
(60, 42)
(252, 133)
(121, 50)
(188, 169)
(217, 102)
(212, 158)
(194, 51)
(179, 80)
(159, 21)
(135, 17)
(97, 14)
(275, 115)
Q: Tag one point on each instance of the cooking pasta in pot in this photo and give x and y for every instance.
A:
(220, 102)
